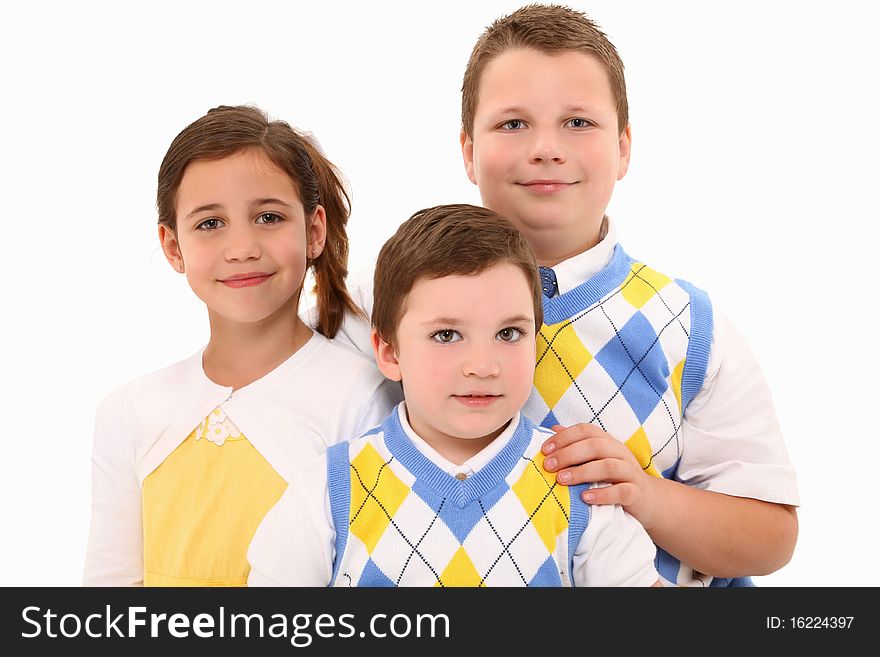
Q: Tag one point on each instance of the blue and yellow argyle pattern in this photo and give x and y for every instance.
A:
(402, 521)
(627, 350)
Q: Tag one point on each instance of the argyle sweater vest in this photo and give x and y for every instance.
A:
(627, 350)
(402, 521)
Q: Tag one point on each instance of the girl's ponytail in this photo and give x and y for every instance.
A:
(331, 267)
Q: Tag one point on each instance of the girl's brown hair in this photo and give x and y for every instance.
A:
(225, 131)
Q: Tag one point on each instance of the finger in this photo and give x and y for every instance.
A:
(611, 470)
(568, 435)
(585, 451)
(622, 494)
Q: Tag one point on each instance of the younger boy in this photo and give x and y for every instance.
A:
(640, 360)
(450, 489)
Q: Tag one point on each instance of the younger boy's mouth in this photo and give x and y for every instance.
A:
(477, 400)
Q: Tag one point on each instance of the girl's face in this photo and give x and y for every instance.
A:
(243, 237)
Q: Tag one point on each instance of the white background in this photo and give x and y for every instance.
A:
(755, 150)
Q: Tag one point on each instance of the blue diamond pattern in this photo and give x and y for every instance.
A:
(460, 520)
(547, 575)
(641, 387)
(372, 576)
(550, 420)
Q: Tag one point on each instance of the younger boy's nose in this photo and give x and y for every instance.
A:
(481, 362)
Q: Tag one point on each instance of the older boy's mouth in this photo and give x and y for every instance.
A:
(546, 186)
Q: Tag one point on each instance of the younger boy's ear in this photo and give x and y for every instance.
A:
(625, 145)
(386, 359)
(171, 248)
(467, 153)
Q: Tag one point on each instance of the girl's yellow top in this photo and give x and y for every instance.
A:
(202, 506)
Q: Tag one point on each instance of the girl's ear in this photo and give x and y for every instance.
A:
(171, 248)
(386, 358)
(316, 233)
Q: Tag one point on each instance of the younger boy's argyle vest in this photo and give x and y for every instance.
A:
(402, 521)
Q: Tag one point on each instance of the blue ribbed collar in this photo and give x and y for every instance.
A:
(459, 492)
(588, 293)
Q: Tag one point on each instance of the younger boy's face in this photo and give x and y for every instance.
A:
(546, 151)
(465, 351)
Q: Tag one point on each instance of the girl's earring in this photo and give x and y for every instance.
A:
(180, 268)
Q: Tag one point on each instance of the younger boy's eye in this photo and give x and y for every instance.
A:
(209, 224)
(513, 124)
(446, 336)
(578, 123)
(510, 334)
(268, 218)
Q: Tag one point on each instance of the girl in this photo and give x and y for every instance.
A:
(187, 460)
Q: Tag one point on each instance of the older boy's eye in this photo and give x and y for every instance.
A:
(268, 218)
(446, 336)
(513, 124)
(209, 224)
(578, 123)
(510, 334)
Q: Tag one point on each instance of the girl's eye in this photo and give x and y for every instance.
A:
(514, 124)
(268, 218)
(510, 334)
(579, 123)
(209, 224)
(446, 336)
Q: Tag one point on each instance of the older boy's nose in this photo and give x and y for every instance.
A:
(546, 147)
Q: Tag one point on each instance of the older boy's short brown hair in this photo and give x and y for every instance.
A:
(446, 240)
(550, 29)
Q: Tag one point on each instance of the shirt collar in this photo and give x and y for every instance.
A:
(473, 464)
(577, 269)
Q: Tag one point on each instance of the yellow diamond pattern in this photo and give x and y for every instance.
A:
(676, 383)
(460, 571)
(532, 489)
(367, 519)
(638, 444)
(551, 378)
(641, 284)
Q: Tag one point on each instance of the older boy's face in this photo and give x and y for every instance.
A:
(546, 151)
(465, 351)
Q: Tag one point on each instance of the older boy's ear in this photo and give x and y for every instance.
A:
(171, 248)
(467, 153)
(386, 358)
(625, 145)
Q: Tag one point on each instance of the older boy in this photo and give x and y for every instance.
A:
(449, 490)
(638, 356)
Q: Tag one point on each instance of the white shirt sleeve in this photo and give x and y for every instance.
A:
(354, 331)
(732, 440)
(295, 544)
(615, 550)
(114, 556)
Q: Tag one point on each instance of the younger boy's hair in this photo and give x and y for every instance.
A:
(446, 240)
(552, 30)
